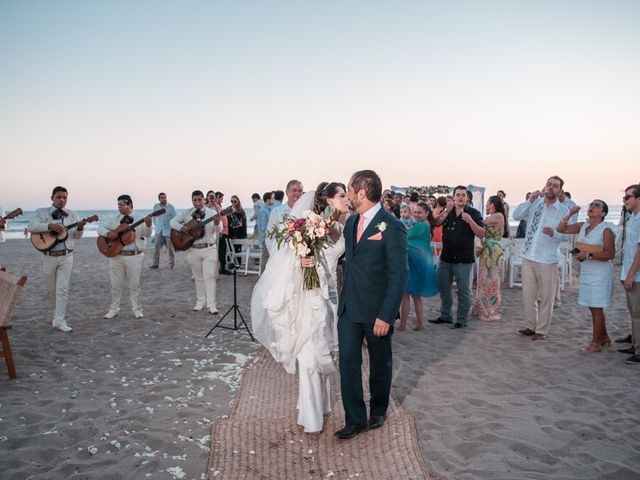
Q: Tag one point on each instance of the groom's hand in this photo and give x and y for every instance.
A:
(380, 328)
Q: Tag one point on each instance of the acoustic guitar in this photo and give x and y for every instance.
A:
(126, 235)
(183, 241)
(45, 241)
(10, 215)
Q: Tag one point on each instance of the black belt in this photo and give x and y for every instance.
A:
(58, 253)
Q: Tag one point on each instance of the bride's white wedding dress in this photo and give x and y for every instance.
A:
(299, 326)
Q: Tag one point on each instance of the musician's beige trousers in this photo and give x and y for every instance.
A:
(127, 268)
(539, 282)
(57, 274)
(204, 266)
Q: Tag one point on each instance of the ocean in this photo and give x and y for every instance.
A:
(16, 227)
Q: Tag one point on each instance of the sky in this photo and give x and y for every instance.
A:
(145, 96)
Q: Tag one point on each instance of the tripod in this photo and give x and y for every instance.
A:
(235, 308)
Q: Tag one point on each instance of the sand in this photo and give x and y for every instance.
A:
(487, 402)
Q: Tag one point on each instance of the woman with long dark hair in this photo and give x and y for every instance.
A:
(298, 326)
(237, 220)
(488, 299)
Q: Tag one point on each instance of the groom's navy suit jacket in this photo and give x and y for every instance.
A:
(376, 271)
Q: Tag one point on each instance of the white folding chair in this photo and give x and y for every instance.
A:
(515, 263)
(250, 256)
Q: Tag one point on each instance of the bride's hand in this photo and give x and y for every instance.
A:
(308, 262)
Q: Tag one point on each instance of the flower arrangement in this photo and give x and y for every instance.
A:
(306, 236)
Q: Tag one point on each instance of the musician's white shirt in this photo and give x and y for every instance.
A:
(142, 231)
(42, 218)
(211, 230)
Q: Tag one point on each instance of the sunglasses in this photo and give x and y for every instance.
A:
(627, 197)
(596, 205)
(234, 201)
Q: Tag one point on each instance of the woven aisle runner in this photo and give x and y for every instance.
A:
(260, 440)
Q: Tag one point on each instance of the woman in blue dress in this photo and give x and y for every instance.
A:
(422, 271)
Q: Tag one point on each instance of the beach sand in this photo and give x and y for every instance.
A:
(488, 403)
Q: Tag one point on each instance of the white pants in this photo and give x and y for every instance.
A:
(204, 266)
(127, 268)
(539, 282)
(314, 396)
(57, 274)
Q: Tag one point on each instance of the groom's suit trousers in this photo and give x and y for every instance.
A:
(350, 337)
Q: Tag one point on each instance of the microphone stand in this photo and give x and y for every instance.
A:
(235, 308)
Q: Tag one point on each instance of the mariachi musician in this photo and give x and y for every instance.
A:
(203, 254)
(58, 261)
(128, 263)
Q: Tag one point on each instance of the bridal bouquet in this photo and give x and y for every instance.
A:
(306, 236)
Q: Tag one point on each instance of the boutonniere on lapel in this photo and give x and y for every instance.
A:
(382, 226)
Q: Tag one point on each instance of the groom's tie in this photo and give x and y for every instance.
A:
(360, 228)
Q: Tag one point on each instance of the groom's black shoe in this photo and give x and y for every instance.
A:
(376, 422)
(350, 431)
(439, 320)
(626, 339)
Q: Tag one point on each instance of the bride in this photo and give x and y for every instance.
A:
(299, 326)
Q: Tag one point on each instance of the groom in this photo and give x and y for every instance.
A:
(375, 278)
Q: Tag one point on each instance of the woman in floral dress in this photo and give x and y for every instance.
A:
(487, 301)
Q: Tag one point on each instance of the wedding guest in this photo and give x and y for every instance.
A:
(398, 198)
(162, 227)
(543, 212)
(625, 216)
(522, 226)
(222, 239)
(237, 220)
(422, 272)
(505, 205)
(470, 198)
(257, 204)
(630, 274)
(202, 255)
(433, 202)
(450, 202)
(414, 198)
(262, 224)
(57, 262)
(389, 205)
(406, 216)
(488, 299)
(441, 204)
(127, 266)
(294, 192)
(461, 225)
(596, 249)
